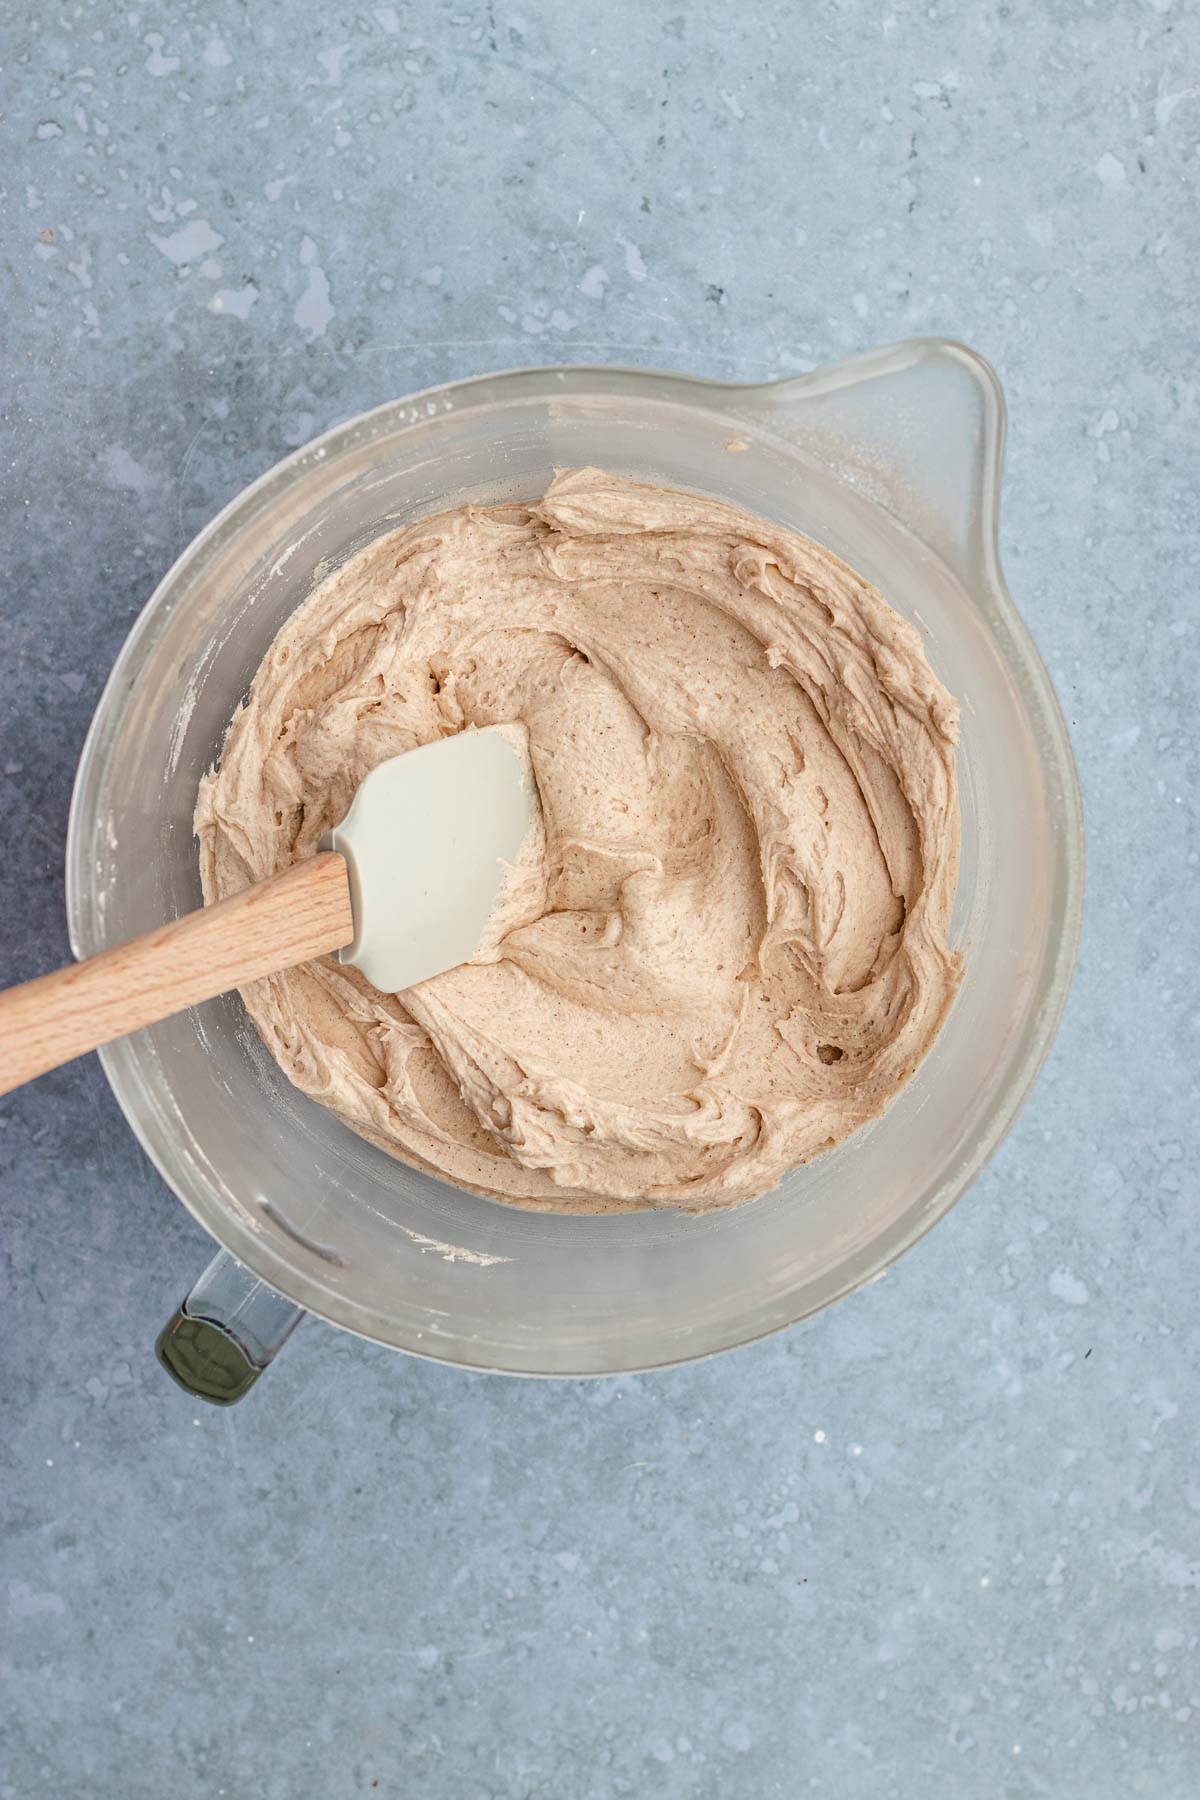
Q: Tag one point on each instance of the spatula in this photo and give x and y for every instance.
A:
(403, 888)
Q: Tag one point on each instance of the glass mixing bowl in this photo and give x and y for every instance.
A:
(893, 460)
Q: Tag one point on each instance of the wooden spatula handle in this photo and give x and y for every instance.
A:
(302, 913)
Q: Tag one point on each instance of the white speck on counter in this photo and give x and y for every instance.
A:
(235, 302)
(1068, 1287)
(314, 309)
(635, 268)
(192, 240)
(158, 64)
(1111, 171)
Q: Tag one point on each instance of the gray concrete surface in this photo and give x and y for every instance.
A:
(944, 1540)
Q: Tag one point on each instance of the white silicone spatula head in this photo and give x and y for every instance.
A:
(429, 840)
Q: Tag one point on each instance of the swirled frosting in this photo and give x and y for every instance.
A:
(729, 948)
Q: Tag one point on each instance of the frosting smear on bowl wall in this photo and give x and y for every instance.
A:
(727, 948)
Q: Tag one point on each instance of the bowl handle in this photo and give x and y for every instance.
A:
(230, 1327)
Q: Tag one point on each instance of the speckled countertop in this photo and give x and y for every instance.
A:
(943, 1540)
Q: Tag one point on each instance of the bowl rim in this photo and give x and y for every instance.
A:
(140, 1113)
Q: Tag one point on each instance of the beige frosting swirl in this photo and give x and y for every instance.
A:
(733, 948)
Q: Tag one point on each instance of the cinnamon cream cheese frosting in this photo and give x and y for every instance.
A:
(727, 948)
